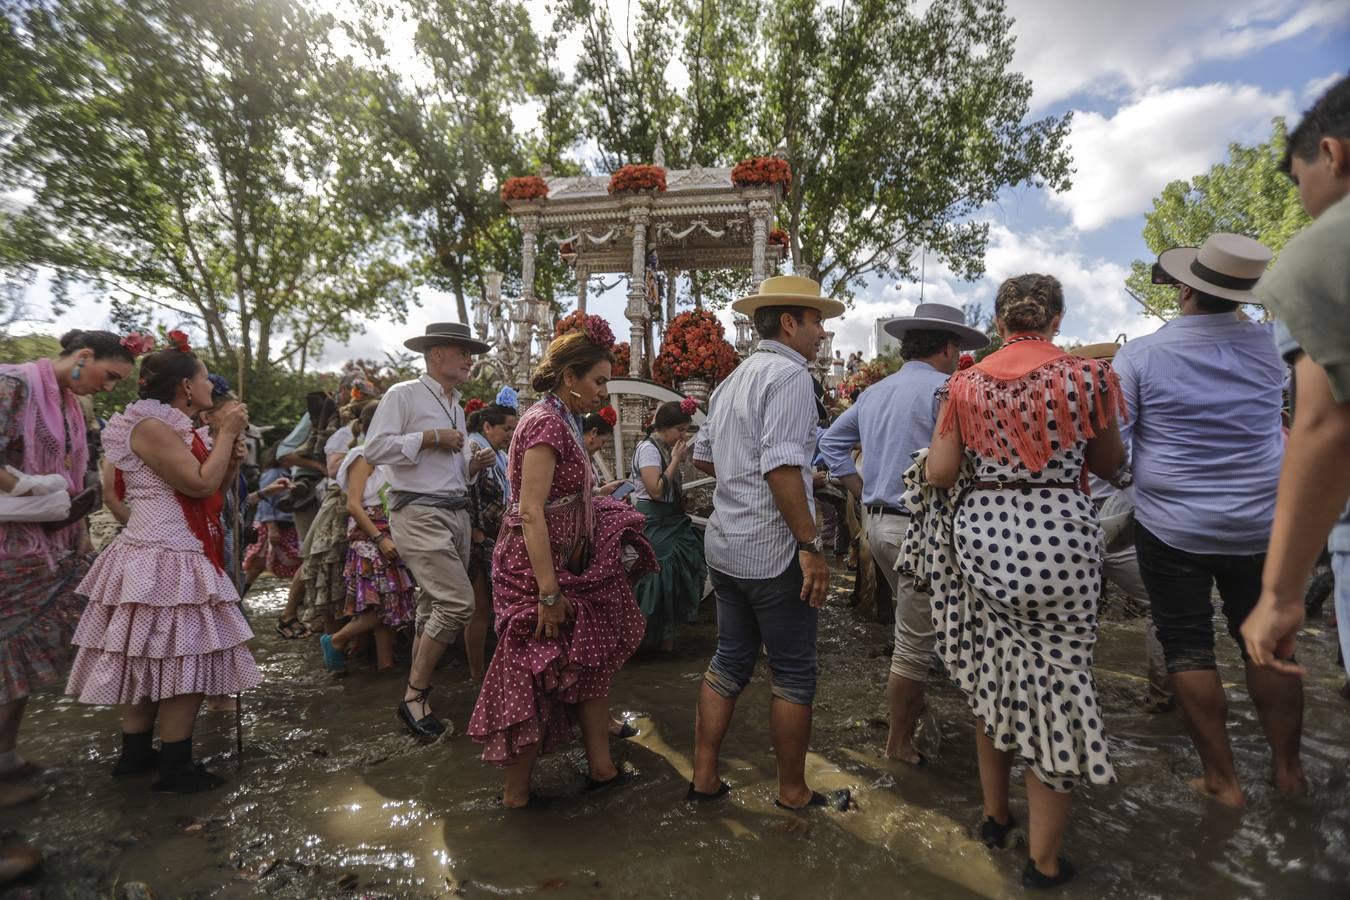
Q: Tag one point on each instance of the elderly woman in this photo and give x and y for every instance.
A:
(1015, 561)
(566, 617)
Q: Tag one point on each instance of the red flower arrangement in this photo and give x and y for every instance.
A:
(623, 358)
(780, 237)
(473, 406)
(762, 170)
(179, 340)
(596, 328)
(695, 346)
(527, 187)
(609, 415)
(966, 361)
(632, 179)
(566, 249)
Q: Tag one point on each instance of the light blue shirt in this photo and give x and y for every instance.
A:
(1205, 395)
(761, 418)
(293, 442)
(893, 419)
(267, 506)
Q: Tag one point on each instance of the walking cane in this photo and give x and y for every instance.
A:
(237, 574)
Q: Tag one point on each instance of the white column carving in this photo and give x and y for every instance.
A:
(638, 217)
(583, 282)
(529, 229)
(760, 210)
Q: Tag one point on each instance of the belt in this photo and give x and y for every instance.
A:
(881, 509)
(453, 502)
(1024, 485)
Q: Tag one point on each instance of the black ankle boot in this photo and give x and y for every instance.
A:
(138, 755)
(178, 774)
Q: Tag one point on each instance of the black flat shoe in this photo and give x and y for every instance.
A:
(190, 780)
(426, 727)
(837, 800)
(623, 777)
(626, 732)
(693, 796)
(1033, 878)
(136, 765)
(995, 836)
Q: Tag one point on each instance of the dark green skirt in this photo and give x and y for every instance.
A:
(671, 596)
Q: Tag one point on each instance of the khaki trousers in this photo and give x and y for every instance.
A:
(915, 636)
(435, 545)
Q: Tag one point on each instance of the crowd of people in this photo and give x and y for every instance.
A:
(996, 498)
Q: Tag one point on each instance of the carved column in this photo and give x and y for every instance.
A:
(583, 282)
(529, 229)
(760, 210)
(638, 217)
(671, 293)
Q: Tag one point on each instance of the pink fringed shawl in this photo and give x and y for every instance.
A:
(50, 418)
(1000, 402)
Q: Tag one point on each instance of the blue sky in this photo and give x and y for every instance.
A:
(1159, 88)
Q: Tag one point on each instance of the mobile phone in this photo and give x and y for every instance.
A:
(623, 490)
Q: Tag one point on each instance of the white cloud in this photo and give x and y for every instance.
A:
(1068, 47)
(1124, 161)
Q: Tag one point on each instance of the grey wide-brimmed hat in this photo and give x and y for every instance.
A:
(939, 317)
(1226, 266)
(446, 333)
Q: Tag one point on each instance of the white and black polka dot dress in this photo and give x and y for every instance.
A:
(1016, 584)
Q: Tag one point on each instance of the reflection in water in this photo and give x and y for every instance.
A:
(333, 796)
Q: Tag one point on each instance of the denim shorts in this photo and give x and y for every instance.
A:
(1179, 588)
(770, 612)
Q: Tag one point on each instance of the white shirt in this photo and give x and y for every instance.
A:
(374, 483)
(646, 457)
(761, 418)
(395, 439)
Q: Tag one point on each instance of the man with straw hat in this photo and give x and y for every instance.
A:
(1205, 393)
(893, 419)
(763, 552)
(418, 433)
(1120, 564)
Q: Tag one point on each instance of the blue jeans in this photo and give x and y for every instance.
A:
(771, 612)
(1340, 569)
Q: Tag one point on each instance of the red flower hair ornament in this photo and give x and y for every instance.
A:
(473, 406)
(965, 362)
(179, 340)
(609, 415)
(688, 406)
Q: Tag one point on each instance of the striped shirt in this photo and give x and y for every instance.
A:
(761, 418)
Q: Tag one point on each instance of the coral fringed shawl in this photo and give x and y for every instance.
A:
(1000, 403)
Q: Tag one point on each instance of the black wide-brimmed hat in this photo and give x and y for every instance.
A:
(939, 317)
(446, 333)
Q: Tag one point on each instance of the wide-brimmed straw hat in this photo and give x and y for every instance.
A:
(1226, 266)
(938, 317)
(446, 333)
(1096, 351)
(789, 290)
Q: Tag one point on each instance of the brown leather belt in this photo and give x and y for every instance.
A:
(1027, 485)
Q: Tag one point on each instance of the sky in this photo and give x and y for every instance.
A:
(1158, 90)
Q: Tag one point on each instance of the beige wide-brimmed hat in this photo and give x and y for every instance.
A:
(1226, 266)
(789, 290)
(939, 317)
(446, 333)
(1096, 351)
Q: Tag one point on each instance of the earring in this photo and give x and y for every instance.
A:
(187, 396)
(75, 376)
(574, 393)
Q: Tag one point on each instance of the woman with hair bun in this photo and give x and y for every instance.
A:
(670, 597)
(44, 547)
(1012, 549)
(566, 617)
(162, 626)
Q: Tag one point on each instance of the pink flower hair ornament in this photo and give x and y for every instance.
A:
(138, 343)
(599, 332)
(688, 406)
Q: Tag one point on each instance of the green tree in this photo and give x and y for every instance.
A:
(204, 159)
(1247, 194)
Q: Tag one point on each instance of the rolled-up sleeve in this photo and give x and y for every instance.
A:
(386, 444)
(789, 423)
(837, 443)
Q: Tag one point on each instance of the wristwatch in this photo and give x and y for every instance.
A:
(551, 600)
(811, 546)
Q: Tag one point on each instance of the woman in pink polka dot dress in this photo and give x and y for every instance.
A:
(162, 627)
(562, 636)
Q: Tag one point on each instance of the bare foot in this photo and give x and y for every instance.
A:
(1228, 795)
(1291, 782)
(907, 755)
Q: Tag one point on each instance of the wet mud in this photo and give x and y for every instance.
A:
(332, 799)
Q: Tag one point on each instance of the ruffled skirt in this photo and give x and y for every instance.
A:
(374, 582)
(159, 622)
(533, 685)
(670, 597)
(322, 558)
(38, 614)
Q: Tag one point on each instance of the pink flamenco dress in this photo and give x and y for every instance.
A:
(533, 685)
(162, 618)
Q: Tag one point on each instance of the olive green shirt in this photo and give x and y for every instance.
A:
(1308, 289)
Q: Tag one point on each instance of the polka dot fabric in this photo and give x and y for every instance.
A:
(161, 620)
(1016, 577)
(530, 693)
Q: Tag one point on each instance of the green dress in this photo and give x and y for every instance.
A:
(669, 597)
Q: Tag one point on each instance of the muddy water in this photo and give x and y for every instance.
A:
(331, 798)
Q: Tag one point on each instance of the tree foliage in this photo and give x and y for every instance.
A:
(205, 159)
(1247, 194)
